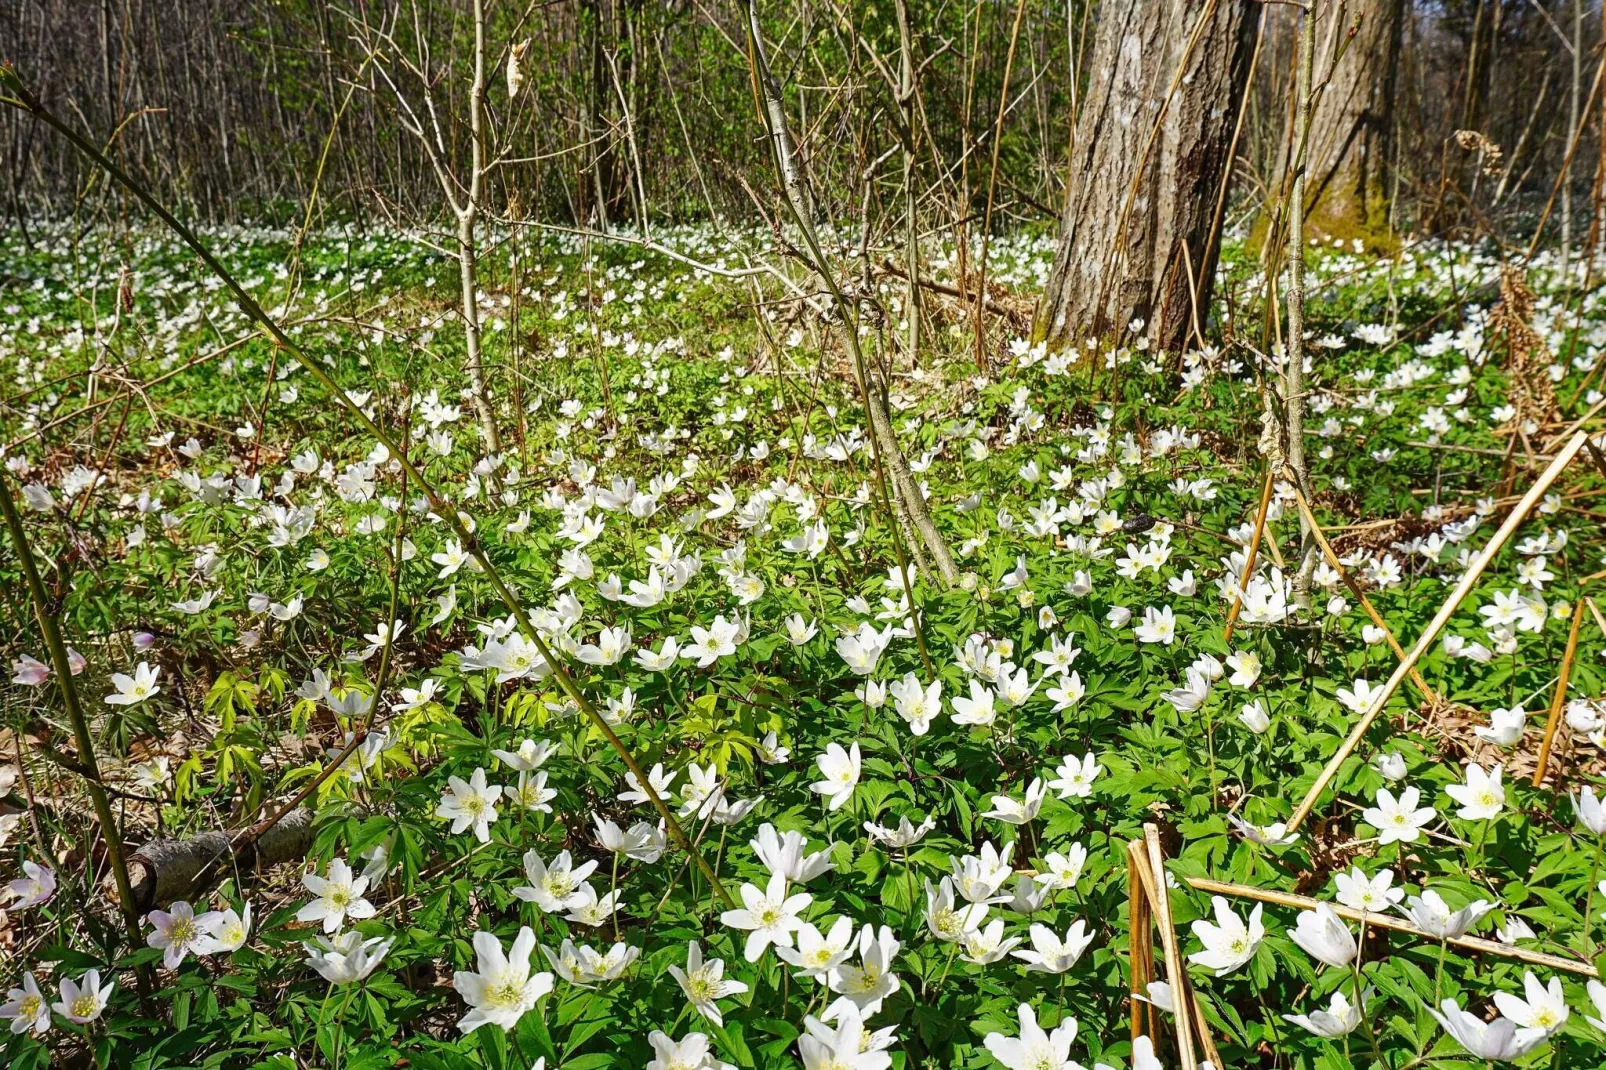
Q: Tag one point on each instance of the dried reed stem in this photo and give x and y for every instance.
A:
(1594, 611)
(1436, 625)
(1141, 882)
(1354, 589)
(1559, 700)
(1175, 970)
(1385, 921)
(1140, 942)
(1254, 551)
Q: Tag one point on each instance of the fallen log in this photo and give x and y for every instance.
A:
(178, 869)
(165, 870)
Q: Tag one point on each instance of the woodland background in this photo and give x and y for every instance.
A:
(224, 107)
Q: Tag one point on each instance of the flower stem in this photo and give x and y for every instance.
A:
(613, 888)
(323, 1012)
(1360, 1006)
(340, 1028)
(953, 949)
(1260, 998)
(1589, 898)
(909, 879)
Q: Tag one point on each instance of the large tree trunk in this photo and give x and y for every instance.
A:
(1352, 126)
(1140, 234)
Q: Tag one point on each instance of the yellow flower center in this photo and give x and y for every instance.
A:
(506, 993)
(700, 987)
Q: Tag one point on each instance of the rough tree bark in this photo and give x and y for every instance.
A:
(1151, 153)
(1352, 125)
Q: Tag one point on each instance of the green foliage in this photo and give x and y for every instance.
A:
(256, 699)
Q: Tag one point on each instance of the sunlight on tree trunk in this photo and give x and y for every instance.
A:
(1151, 153)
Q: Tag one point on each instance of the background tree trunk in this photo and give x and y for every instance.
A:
(1352, 127)
(1140, 218)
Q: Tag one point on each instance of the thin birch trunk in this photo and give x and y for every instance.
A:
(467, 254)
(906, 102)
(910, 499)
(1572, 126)
(1294, 368)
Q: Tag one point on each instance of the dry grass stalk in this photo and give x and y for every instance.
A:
(1386, 921)
(1176, 971)
(1254, 550)
(1140, 942)
(1436, 625)
(1531, 393)
(1595, 455)
(1354, 589)
(1594, 611)
(1141, 884)
(1566, 433)
(1558, 701)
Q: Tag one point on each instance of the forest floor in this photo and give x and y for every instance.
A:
(685, 505)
